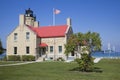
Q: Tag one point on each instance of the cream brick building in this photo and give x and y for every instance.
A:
(29, 38)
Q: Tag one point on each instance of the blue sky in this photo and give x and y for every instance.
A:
(102, 16)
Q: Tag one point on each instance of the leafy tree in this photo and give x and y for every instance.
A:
(1, 48)
(71, 44)
(80, 39)
(95, 40)
(91, 41)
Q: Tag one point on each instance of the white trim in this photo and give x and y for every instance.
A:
(67, 29)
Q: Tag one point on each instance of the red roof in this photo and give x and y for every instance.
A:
(50, 31)
(43, 45)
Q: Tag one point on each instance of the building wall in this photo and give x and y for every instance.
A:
(21, 42)
(55, 42)
(69, 33)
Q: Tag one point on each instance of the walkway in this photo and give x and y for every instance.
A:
(96, 60)
(18, 63)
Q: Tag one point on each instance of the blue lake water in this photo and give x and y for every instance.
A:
(94, 54)
(2, 55)
(106, 55)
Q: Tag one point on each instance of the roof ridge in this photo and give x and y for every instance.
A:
(54, 25)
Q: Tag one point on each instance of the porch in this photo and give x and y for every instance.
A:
(41, 51)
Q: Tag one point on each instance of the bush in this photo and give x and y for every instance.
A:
(28, 58)
(60, 59)
(14, 58)
(85, 63)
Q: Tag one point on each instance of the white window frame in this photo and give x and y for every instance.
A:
(15, 36)
(27, 35)
(60, 49)
(51, 49)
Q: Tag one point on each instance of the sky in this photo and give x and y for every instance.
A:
(102, 16)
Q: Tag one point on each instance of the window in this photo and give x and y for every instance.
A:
(27, 35)
(27, 50)
(72, 54)
(51, 49)
(15, 36)
(60, 49)
(15, 50)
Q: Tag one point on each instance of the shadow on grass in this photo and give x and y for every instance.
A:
(96, 69)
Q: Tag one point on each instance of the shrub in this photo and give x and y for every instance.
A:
(85, 63)
(14, 58)
(28, 58)
(60, 59)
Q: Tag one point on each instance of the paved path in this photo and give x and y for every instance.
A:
(18, 63)
(97, 60)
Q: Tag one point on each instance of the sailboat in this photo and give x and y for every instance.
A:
(109, 49)
(113, 48)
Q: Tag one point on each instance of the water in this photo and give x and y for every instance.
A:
(2, 55)
(106, 55)
(94, 54)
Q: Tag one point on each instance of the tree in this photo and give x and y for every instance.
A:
(80, 39)
(96, 40)
(71, 44)
(1, 48)
(91, 41)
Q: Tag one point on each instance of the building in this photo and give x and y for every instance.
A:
(29, 38)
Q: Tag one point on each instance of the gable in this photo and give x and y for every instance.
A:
(20, 29)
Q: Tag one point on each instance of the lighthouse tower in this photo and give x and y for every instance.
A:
(28, 19)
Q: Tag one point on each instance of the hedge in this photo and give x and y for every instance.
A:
(21, 58)
(28, 58)
(14, 58)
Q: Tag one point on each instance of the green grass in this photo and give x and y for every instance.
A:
(60, 71)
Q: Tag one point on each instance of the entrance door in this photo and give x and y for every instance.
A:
(43, 52)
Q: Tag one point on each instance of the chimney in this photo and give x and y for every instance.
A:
(36, 24)
(21, 19)
(69, 22)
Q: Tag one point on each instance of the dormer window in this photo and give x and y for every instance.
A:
(27, 35)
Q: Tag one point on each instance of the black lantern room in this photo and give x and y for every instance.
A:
(29, 13)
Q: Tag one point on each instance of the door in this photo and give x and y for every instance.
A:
(42, 52)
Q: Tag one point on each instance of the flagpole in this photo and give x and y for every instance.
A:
(53, 17)
(53, 25)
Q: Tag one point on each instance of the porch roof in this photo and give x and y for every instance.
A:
(43, 45)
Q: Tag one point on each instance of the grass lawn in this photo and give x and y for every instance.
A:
(60, 71)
